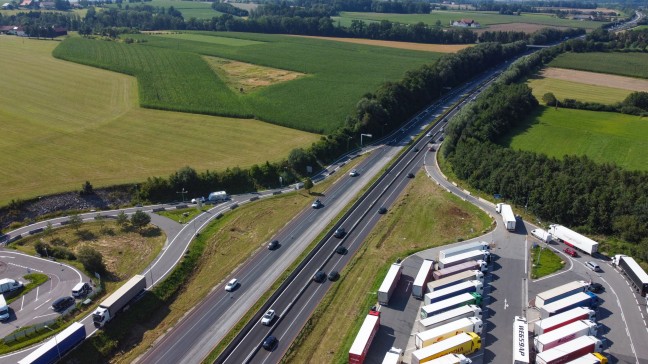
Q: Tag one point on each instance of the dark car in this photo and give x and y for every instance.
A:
(273, 245)
(62, 303)
(410, 175)
(415, 149)
(595, 287)
(382, 210)
(341, 250)
(431, 149)
(333, 276)
(319, 277)
(270, 343)
(571, 252)
(339, 233)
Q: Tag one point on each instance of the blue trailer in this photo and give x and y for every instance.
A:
(582, 299)
(454, 290)
(54, 349)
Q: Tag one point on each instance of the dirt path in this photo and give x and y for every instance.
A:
(597, 79)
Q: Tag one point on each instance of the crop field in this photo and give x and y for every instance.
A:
(173, 75)
(482, 17)
(441, 48)
(602, 136)
(64, 123)
(189, 9)
(624, 64)
(564, 89)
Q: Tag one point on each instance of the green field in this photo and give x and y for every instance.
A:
(189, 9)
(578, 91)
(624, 64)
(602, 136)
(64, 123)
(545, 262)
(485, 18)
(173, 76)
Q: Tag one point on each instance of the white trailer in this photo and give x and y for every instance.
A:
(559, 292)
(454, 290)
(365, 336)
(542, 235)
(593, 358)
(389, 284)
(116, 301)
(520, 341)
(472, 265)
(452, 315)
(422, 278)
(574, 239)
(562, 319)
(581, 299)
(570, 350)
(432, 336)
(633, 271)
(463, 258)
(218, 196)
(393, 356)
(451, 359)
(447, 305)
(460, 249)
(564, 334)
(4, 309)
(507, 215)
(470, 275)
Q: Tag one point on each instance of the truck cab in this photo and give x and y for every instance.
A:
(100, 316)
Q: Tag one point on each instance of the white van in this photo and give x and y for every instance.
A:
(4, 309)
(81, 289)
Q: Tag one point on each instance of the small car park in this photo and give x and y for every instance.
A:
(339, 232)
(268, 317)
(319, 277)
(62, 303)
(593, 266)
(317, 204)
(231, 285)
(273, 245)
(570, 252)
(270, 343)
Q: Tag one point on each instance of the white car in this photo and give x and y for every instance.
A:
(428, 135)
(268, 317)
(195, 200)
(231, 285)
(353, 173)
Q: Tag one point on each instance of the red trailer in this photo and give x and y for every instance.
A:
(570, 350)
(364, 338)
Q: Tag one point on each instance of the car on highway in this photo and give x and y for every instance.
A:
(273, 245)
(319, 277)
(428, 135)
(354, 173)
(595, 287)
(441, 139)
(62, 303)
(333, 276)
(382, 210)
(268, 317)
(431, 149)
(410, 175)
(341, 250)
(593, 266)
(195, 200)
(339, 232)
(231, 285)
(415, 150)
(570, 252)
(317, 204)
(270, 343)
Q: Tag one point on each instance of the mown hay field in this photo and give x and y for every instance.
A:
(564, 89)
(65, 123)
(604, 137)
(173, 75)
(624, 64)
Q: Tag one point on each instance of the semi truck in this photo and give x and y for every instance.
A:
(466, 343)
(393, 356)
(454, 290)
(469, 275)
(560, 292)
(116, 301)
(564, 334)
(593, 358)
(364, 338)
(9, 285)
(218, 196)
(542, 235)
(479, 265)
(451, 359)
(562, 319)
(4, 309)
(582, 299)
(573, 239)
(633, 271)
(520, 341)
(54, 349)
(424, 275)
(452, 315)
(507, 215)
(570, 350)
(389, 284)
(454, 302)
(464, 248)
(463, 257)
(432, 336)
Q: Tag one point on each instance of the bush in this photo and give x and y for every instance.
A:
(91, 259)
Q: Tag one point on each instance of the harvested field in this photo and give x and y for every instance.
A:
(514, 27)
(440, 48)
(247, 77)
(597, 79)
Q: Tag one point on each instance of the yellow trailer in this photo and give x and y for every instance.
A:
(465, 343)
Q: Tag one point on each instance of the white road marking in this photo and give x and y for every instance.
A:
(36, 308)
(49, 314)
(6, 257)
(22, 303)
(37, 290)
(22, 266)
(622, 317)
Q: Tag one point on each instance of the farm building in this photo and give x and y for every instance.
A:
(26, 3)
(6, 6)
(12, 30)
(465, 23)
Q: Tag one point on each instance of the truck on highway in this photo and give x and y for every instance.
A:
(389, 283)
(465, 343)
(4, 309)
(454, 290)
(454, 302)
(54, 349)
(393, 356)
(507, 215)
(582, 299)
(365, 336)
(560, 292)
(464, 248)
(564, 334)
(573, 239)
(463, 257)
(451, 359)
(422, 278)
(562, 319)
(116, 301)
(9, 285)
(452, 315)
(432, 336)
(479, 265)
(469, 275)
(593, 358)
(633, 271)
(520, 341)
(570, 350)
(218, 196)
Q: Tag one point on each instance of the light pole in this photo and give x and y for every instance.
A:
(183, 194)
(348, 140)
(364, 135)
(55, 341)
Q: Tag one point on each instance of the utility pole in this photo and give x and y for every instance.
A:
(183, 192)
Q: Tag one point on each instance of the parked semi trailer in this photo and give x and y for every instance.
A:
(55, 348)
(454, 290)
(454, 302)
(452, 315)
(433, 336)
(569, 351)
(466, 343)
(422, 278)
(393, 356)
(507, 215)
(582, 299)
(520, 341)
(464, 257)
(389, 284)
(542, 235)
(365, 336)
(4, 309)
(562, 319)
(560, 292)
(469, 275)
(633, 271)
(593, 358)
(451, 359)
(573, 239)
(464, 248)
(479, 265)
(116, 301)
(564, 334)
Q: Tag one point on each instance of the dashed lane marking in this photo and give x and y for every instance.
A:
(22, 266)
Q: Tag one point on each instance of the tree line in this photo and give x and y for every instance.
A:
(634, 104)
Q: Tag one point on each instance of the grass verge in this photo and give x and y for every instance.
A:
(182, 215)
(544, 262)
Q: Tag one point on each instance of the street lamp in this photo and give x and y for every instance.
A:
(364, 135)
(183, 194)
(55, 341)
